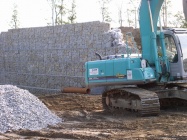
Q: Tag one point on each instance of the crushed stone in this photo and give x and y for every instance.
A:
(19, 109)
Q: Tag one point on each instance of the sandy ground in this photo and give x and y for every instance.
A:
(84, 118)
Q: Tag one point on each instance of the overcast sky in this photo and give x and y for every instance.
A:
(33, 13)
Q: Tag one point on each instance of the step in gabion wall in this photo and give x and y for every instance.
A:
(45, 59)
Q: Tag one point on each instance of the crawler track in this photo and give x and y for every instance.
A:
(135, 99)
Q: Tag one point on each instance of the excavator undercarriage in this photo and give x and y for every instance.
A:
(146, 100)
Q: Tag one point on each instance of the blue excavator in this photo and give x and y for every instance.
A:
(144, 82)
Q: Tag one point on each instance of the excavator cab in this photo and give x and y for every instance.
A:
(176, 50)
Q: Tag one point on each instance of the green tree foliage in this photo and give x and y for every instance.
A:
(61, 14)
(105, 10)
(171, 18)
(14, 21)
(58, 11)
(179, 20)
(184, 24)
(72, 13)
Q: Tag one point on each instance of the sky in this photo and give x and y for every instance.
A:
(36, 13)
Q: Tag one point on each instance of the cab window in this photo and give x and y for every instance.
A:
(171, 50)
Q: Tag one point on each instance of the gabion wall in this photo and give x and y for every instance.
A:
(45, 59)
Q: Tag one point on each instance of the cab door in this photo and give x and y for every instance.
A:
(183, 45)
(174, 54)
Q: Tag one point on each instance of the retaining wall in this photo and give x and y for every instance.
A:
(44, 59)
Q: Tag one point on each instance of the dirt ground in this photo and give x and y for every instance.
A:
(84, 118)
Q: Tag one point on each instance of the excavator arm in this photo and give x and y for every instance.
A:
(148, 26)
(148, 20)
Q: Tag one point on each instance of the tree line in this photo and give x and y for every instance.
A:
(127, 13)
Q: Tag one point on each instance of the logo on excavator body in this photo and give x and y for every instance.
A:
(94, 71)
(120, 75)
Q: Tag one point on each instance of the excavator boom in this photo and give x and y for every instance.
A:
(148, 19)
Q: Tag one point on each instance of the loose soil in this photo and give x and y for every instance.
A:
(84, 118)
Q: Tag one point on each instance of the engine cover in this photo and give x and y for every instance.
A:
(120, 71)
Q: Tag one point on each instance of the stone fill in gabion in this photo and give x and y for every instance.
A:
(19, 109)
(49, 58)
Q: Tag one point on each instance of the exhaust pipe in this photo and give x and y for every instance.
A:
(75, 90)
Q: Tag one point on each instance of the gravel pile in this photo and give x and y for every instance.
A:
(19, 109)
